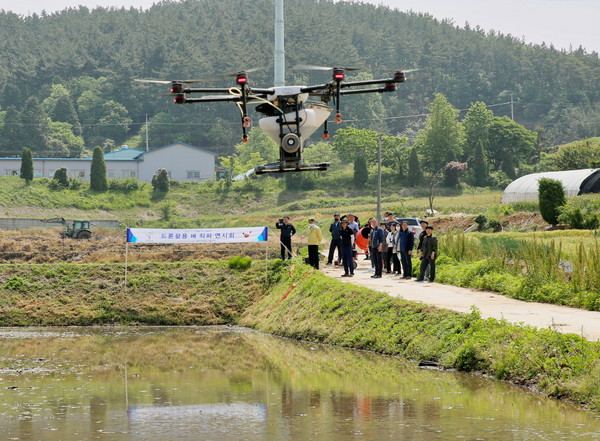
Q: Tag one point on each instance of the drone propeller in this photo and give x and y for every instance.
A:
(235, 74)
(170, 81)
(325, 68)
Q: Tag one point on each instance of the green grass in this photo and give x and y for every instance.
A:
(324, 310)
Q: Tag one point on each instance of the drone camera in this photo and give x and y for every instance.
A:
(290, 143)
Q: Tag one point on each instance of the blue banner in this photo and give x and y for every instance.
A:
(204, 235)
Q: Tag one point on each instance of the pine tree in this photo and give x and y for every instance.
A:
(508, 167)
(480, 170)
(27, 166)
(415, 173)
(98, 181)
(361, 173)
(551, 196)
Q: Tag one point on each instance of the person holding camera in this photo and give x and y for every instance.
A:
(287, 231)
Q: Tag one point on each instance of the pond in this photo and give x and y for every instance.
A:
(229, 383)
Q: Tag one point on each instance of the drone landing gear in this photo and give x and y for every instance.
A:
(286, 167)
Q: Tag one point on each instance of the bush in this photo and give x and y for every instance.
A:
(481, 220)
(582, 212)
(125, 185)
(60, 181)
(551, 196)
(160, 181)
(239, 262)
(76, 184)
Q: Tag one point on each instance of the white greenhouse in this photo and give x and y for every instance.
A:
(575, 182)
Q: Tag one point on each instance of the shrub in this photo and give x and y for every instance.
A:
(481, 220)
(582, 212)
(160, 181)
(125, 185)
(240, 262)
(60, 181)
(551, 196)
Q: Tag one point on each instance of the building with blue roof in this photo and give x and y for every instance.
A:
(183, 162)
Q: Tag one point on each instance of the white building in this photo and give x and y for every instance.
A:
(575, 182)
(183, 162)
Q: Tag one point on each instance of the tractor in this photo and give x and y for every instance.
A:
(78, 229)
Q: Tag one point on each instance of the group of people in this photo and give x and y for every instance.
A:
(390, 245)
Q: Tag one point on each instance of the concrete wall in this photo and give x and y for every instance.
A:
(22, 223)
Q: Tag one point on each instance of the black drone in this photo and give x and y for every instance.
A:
(289, 116)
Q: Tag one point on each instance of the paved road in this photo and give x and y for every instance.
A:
(540, 315)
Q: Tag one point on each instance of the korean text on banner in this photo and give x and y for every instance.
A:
(206, 235)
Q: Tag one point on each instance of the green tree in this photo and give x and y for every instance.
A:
(361, 173)
(443, 135)
(160, 181)
(27, 166)
(509, 139)
(415, 174)
(480, 169)
(98, 180)
(551, 196)
(60, 108)
(351, 143)
(477, 124)
(62, 142)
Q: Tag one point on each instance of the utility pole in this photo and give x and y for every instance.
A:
(279, 45)
(379, 177)
(512, 109)
(147, 145)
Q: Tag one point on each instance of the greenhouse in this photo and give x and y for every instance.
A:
(575, 182)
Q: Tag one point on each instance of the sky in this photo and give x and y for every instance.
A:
(563, 23)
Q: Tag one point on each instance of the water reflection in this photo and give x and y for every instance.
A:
(226, 384)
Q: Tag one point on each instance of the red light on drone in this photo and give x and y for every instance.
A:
(242, 79)
(338, 76)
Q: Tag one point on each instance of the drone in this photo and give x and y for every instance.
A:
(288, 114)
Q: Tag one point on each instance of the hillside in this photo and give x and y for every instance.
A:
(76, 67)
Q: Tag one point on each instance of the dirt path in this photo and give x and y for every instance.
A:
(540, 315)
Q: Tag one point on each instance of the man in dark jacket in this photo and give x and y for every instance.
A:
(405, 243)
(346, 241)
(334, 229)
(429, 253)
(376, 241)
(287, 231)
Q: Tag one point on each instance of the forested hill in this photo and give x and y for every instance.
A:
(66, 79)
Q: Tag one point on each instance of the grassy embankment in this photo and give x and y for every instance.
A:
(559, 267)
(319, 309)
(322, 310)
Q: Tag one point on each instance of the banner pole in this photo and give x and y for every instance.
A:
(267, 261)
(126, 259)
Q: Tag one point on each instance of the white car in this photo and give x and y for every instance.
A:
(414, 224)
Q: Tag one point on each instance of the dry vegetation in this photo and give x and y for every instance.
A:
(108, 246)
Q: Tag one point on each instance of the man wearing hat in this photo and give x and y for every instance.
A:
(314, 240)
(346, 241)
(334, 229)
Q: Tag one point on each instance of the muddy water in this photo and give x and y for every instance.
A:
(218, 383)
